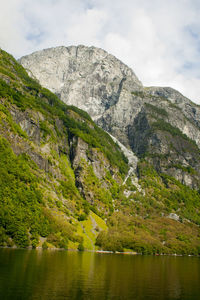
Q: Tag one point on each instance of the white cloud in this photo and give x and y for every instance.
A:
(158, 39)
(87, 28)
(11, 27)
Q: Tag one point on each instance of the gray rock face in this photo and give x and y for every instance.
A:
(86, 77)
(189, 109)
(173, 216)
(97, 82)
(145, 120)
(132, 158)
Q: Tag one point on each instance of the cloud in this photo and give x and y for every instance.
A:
(88, 28)
(159, 39)
(11, 27)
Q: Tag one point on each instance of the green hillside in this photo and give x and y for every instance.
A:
(61, 180)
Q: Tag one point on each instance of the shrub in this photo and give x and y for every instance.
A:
(81, 247)
(45, 246)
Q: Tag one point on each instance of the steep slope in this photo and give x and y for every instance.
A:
(64, 182)
(156, 121)
(56, 164)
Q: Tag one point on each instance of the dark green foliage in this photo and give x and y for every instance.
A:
(77, 123)
(36, 203)
(111, 241)
(157, 110)
(20, 200)
(188, 169)
(34, 240)
(16, 70)
(146, 232)
(173, 194)
(58, 240)
(81, 247)
(81, 113)
(140, 94)
(82, 217)
(45, 128)
(92, 185)
(12, 94)
(7, 73)
(44, 246)
(69, 189)
(63, 244)
(174, 131)
(14, 126)
(86, 208)
(4, 238)
(24, 217)
(59, 204)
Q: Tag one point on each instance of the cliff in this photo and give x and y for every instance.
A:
(156, 123)
(66, 183)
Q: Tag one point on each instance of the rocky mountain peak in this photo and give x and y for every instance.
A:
(65, 182)
(87, 77)
(157, 123)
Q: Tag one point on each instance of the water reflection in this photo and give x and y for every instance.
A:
(32, 274)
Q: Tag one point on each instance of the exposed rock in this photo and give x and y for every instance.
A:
(64, 165)
(173, 216)
(132, 158)
(109, 91)
(190, 109)
(86, 77)
(29, 124)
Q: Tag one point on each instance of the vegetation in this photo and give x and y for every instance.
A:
(29, 207)
(30, 94)
(20, 207)
(158, 110)
(140, 94)
(143, 223)
(49, 200)
(80, 247)
(174, 131)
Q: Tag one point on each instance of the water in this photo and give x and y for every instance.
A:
(33, 274)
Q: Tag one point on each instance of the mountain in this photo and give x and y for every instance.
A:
(158, 124)
(66, 183)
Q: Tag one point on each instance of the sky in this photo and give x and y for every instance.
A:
(158, 39)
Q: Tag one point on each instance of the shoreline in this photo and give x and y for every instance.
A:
(100, 251)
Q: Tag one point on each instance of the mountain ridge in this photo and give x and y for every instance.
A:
(110, 92)
(59, 172)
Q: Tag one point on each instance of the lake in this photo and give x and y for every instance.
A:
(48, 274)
